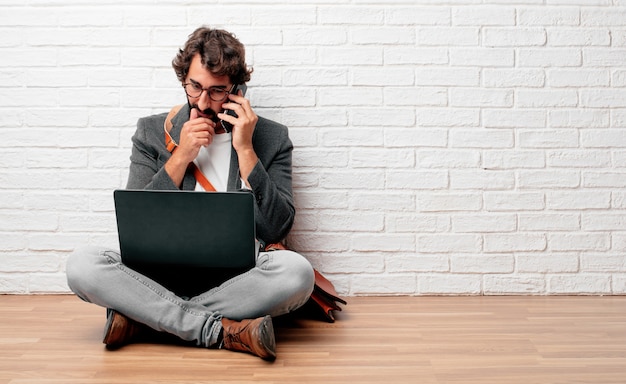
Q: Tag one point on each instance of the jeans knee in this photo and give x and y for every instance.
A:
(81, 269)
(301, 275)
(307, 275)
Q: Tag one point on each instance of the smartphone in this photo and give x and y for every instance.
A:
(225, 124)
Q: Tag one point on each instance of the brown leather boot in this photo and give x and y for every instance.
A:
(255, 336)
(120, 330)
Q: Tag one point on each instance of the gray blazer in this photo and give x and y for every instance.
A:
(270, 179)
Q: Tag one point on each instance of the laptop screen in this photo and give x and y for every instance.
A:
(185, 228)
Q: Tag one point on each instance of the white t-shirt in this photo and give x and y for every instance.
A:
(214, 162)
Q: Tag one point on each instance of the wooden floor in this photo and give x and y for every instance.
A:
(529, 339)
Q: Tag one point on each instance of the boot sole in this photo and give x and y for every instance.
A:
(267, 338)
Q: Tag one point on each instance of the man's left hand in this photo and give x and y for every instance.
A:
(243, 124)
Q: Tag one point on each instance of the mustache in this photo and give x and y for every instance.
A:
(208, 113)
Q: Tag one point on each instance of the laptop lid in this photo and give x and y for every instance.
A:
(185, 228)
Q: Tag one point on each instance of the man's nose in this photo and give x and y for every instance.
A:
(204, 100)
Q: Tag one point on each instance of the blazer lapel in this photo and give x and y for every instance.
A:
(189, 182)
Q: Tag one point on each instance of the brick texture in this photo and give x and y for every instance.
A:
(458, 147)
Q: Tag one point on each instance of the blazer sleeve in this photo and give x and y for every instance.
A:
(148, 156)
(271, 183)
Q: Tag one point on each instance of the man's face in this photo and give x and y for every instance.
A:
(200, 78)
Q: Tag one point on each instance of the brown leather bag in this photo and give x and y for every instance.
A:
(324, 296)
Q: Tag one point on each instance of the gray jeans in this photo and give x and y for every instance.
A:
(281, 282)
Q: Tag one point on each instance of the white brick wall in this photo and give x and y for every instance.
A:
(471, 147)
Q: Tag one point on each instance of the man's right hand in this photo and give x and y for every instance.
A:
(196, 132)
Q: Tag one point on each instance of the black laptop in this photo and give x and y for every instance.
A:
(186, 230)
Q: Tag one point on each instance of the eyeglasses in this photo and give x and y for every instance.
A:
(194, 90)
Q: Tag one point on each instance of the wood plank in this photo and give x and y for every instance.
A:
(54, 339)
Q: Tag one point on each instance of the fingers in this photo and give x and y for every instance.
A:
(243, 125)
(199, 131)
(237, 100)
(241, 106)
(196, 132)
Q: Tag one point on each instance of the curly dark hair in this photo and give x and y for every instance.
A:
(220, 53)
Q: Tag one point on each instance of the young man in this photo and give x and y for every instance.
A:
(254, 154)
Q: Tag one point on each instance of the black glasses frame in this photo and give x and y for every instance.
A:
(212, 91)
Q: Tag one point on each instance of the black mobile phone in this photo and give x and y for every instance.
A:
(225, 124)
